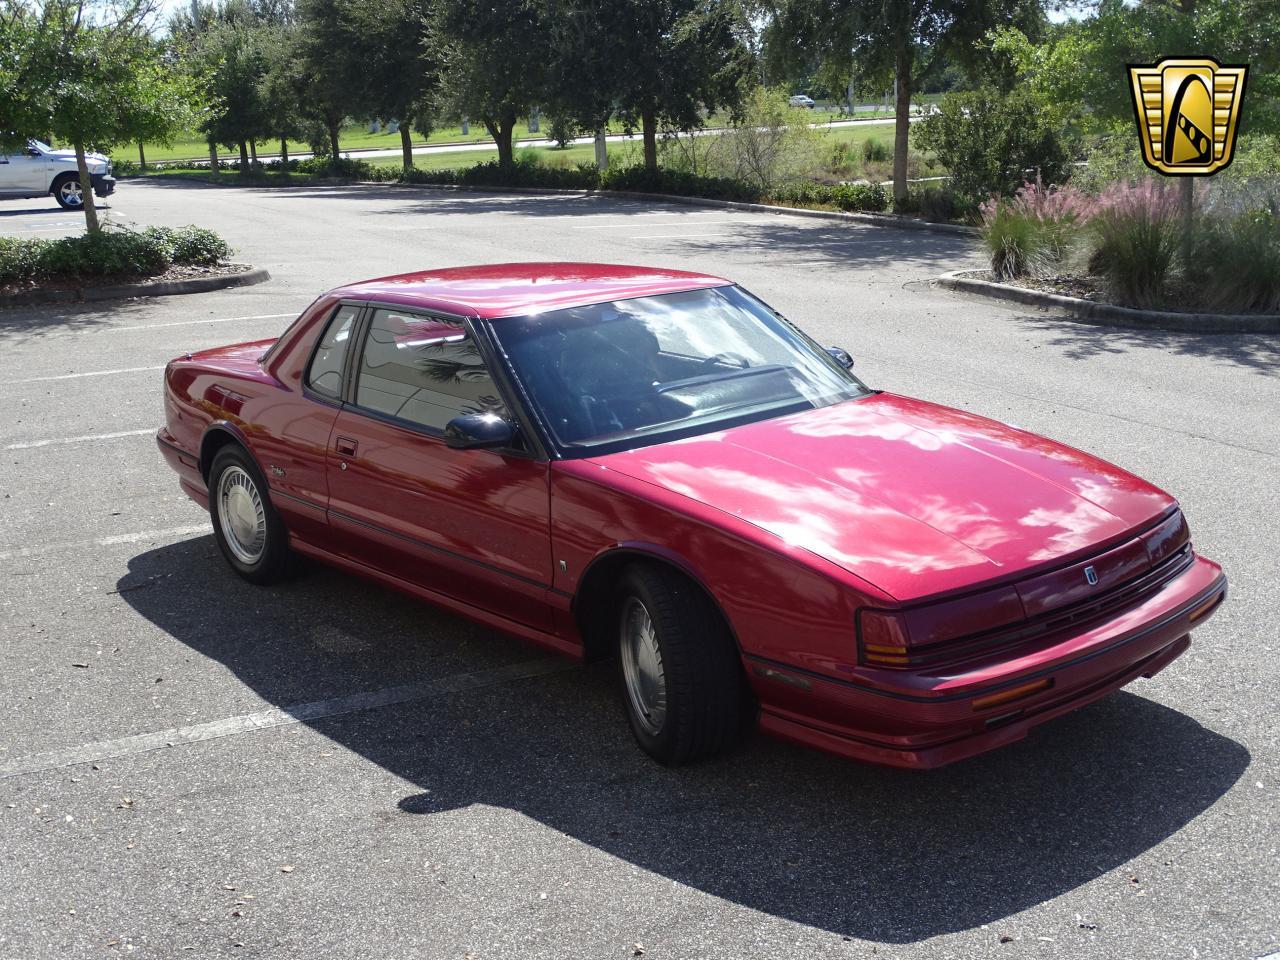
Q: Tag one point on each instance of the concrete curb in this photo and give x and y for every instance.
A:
(1110, 315)
(872, 219)
(156, 288)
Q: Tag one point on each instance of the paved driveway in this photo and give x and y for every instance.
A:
(437, 790)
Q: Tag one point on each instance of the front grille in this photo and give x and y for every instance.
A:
(1046, 629)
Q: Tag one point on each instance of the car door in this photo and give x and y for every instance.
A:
(23, 175)
(470, 524)
(291, 433)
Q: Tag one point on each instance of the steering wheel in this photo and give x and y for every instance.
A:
(727, 358)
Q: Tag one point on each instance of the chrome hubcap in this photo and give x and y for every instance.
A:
(241, 515)
(642, 671)
(71, 192)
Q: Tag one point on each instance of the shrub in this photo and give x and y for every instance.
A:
(1034, 230)
(112, 252)
(874, 151)
(938, 204)
(772, 144)
(19, 259)
(843, 196)
(562, 131)
(860, 196)
(1237, 261)
(643, 180)
(106, 253)
(197, 245)
(992, 142)
(1135, 237)
(1112, 158)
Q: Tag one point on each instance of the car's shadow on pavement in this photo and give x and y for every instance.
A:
(883, 855)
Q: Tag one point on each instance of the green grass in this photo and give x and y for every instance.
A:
(628, 152)
(358, 137)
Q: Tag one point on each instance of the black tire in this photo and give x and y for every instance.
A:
(57, 191)
(275, 560)
(706, 697)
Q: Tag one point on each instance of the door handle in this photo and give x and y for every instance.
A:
(345, 447)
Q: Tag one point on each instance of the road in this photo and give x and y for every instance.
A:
(191, 766)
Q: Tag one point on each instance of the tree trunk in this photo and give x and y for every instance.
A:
(902, 123)
(284, 155)
(649, 131)
(213, 157)
(244, 157)
(1187, 202)
(602, 151)
(501, 130)
(333, 141)
(86, 191)
(406, 145)
(253, 153)
(142, 157)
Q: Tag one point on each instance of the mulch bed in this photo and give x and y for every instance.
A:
(175, 272)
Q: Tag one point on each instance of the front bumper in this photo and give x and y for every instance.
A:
(186, 463)
(928, 721)
(103, 185)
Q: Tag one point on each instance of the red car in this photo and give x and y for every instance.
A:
(655, 465)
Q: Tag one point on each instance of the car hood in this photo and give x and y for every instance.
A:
(69, 156)
(915, 498)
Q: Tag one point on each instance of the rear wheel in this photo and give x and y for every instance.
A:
(67, 191)
(679, 667)
(250, 533)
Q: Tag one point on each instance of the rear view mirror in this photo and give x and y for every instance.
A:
(476, 431)
(841, 356)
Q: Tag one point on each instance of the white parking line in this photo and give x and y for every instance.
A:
(137, 537)
(280, 716)
(90, 373)
(32, 444)
(699, 223)
(677, 236)
(188, 323)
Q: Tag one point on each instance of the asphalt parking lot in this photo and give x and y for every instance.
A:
(191, 766)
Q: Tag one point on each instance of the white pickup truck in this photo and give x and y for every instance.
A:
(41, 170)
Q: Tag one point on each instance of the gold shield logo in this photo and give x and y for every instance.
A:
(1187, 111)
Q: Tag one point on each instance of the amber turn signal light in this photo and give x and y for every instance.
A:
(883, 638)
(1013, 693)
(1206, 608)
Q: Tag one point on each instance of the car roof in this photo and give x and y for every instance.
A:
(498, 290)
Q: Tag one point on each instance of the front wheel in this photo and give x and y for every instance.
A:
(250, 533)
(68, 193)
(679, 667)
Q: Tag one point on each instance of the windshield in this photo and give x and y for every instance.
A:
(40, 145)
(631, 372)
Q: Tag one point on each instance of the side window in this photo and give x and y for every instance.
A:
(324, 376)
(424, 370)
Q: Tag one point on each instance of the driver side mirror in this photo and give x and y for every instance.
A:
(33, 152)
(478, 431)
(841, 356)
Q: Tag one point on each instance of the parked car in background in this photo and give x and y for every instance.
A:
(654, 466)
(800, 100)
(40, 170)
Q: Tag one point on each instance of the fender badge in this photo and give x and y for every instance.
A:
(277, 471)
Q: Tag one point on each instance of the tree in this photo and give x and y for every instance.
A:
(902, 41)
(1079, 74)
(653, 62)
(94, 78)
(401, 73)
(332, 67)
(497, 68)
